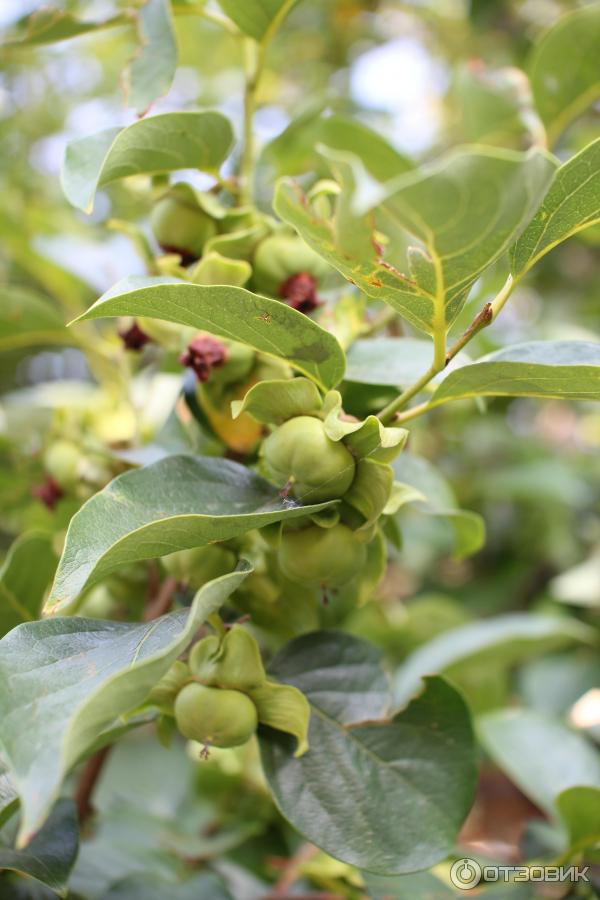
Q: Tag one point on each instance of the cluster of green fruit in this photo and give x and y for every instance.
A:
(236, 246)
(316, 456)
(221, 694)
(304, 461)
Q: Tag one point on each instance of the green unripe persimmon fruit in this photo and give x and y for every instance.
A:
(61, 461)
(300, 450)
(280, 256)
(200, 564)
(215, 716)
(321, 557)
(181, 226)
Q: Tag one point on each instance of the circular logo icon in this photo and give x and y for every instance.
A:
(465, 874)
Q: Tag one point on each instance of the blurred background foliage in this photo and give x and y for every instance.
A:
(427, 75)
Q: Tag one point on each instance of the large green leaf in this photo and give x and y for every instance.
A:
(490, 106)
(203, 886)
(422, 886)
(567, 370)
(159, 144)
(152, 69)
(49, 25)
(464, 212)
(173, 504)
(541, 755)
(420, 483)
(393, 361)
(564, 69)
(66, 681)
(24, 576)
(504, 640)
(257, 18)
(50, 854)
(234, 313)
(294, 151)
(9, 799)
(27, 320)
(579, 809)
(571, 204)
(388, 796)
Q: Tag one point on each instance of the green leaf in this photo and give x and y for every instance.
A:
(24, 576)
(294, 152)
(234, 313)
(531, 749)
(463, 211)
(579, 809)
(27, 320)
(579, 585)
(284, 708)
(393, 361)
(176, 503)
(571, 204)
(50, 854)
(491, 106)
(568, 370)
(216, 269)
(422, 886)
(72, 679)
(421, 483)
(49, 25)
(370, 489)
(160, 144)
(203, 886)
(274, 402)
(503, 639)
(563, 69)
(366, 438)
(9, 799)
(257, 18)
(152, 69)
(358, 776)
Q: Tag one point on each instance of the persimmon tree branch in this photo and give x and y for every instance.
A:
(255, 55)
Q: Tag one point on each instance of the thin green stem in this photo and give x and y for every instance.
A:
(389, 412)
(253, 71)
(502, 296)
(255, 55)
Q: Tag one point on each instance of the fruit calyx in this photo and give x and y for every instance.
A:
(134, 338)
(300, 292)
(203, 354)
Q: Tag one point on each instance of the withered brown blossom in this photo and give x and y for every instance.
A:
(204, 353)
